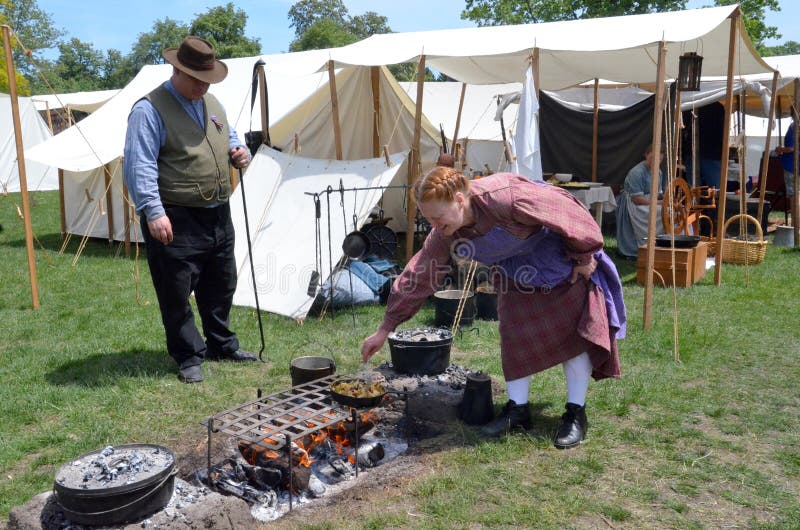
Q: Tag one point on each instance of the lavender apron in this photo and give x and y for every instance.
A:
(540, 262)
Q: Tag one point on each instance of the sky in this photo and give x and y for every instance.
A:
(117, 24)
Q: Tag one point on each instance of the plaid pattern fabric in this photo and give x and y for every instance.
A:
(538, 329)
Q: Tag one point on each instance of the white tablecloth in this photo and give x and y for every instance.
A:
(596, 194)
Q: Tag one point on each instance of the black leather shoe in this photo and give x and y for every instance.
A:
(512, 416)
(237, 356)
(190, 374)
(572, 429)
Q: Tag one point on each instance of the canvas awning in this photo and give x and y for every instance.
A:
(570, 52)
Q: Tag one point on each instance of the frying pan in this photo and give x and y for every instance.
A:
(356, 245)
(356, 402)
(681, 240)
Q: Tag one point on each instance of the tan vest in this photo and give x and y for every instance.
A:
(193, 163)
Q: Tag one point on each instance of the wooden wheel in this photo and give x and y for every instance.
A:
(676, 206)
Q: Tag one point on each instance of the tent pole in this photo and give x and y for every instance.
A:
(375, 78)
(726, 128)
(595, 127)
(762, 178)
(23, 179)
(414, 160)
(337, 130)
(49, 118)
(262, 100)
(126, 218)
(794, 199)
(63, 212)
(535, 62)
(458, 118)
(109, 203)
(651, 227)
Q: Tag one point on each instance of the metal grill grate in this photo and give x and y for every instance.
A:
(287, 415)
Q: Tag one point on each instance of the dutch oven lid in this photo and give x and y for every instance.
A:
(421, 336)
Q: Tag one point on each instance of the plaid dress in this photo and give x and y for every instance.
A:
(542, 323)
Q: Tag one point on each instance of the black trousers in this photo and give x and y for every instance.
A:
(201, 259)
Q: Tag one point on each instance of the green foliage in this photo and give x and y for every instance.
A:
(224, 26)
(370, 23)
(304, 14)
(787, 48)
(500, 12)
(754, 12)
(33, 27)
(324, 33)
(166, 33)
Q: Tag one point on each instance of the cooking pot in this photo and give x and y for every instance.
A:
(446, 303)
(420, 351)
(486, 303)
(117, 504)
(310, 368)
(681, 240)
(354, 401)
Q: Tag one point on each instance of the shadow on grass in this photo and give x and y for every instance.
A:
(95, 247)
(106, 369)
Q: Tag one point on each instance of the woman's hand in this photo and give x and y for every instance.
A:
(373, 344)
(585, 270)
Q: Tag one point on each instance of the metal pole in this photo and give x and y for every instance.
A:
(23, 179)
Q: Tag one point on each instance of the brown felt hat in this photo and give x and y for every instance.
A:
(196, 57)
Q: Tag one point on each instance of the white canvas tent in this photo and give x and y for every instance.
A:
(88, 101)
(34, 131)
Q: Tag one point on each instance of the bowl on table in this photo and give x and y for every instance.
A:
(563, 177)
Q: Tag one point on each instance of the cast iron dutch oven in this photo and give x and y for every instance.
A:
(420, 357)
(116, 504)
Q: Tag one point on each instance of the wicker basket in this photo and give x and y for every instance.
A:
(744, 252)
(711, 248)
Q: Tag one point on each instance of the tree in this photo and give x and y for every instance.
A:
(754, 12)
(33, 27)
(305, 13)
(223, 26)
(79, 67)
(324, 33)
(787, 48)
(499, 12)
(370, 23)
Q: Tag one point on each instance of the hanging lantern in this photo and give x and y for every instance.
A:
(689, 71)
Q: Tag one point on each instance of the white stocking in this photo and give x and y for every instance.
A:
(518, 390)
(578, 372)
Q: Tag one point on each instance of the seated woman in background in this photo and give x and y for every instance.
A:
(633, 206)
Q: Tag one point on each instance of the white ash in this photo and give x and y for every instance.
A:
(454, 377)
(421, 334)
(113, 467)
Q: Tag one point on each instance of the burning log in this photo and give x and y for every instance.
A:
(370, 454)
(273, 461)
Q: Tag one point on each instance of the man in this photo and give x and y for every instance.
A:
(176, 168)
(787, 160)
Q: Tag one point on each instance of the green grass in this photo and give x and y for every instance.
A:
(707, 442)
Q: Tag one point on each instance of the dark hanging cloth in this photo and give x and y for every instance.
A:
(566, 139)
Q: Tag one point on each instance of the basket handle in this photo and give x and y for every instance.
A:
(748, 218)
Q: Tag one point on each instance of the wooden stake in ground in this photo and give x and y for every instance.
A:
(23, 179)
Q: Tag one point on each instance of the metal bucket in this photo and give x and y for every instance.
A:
(446, 303)
(310, 368)
(784, 236)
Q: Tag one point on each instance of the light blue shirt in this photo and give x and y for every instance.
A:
(145, 137)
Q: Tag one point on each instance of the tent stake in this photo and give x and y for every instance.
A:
(651, 227)
(726, 127)
(23, 179)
